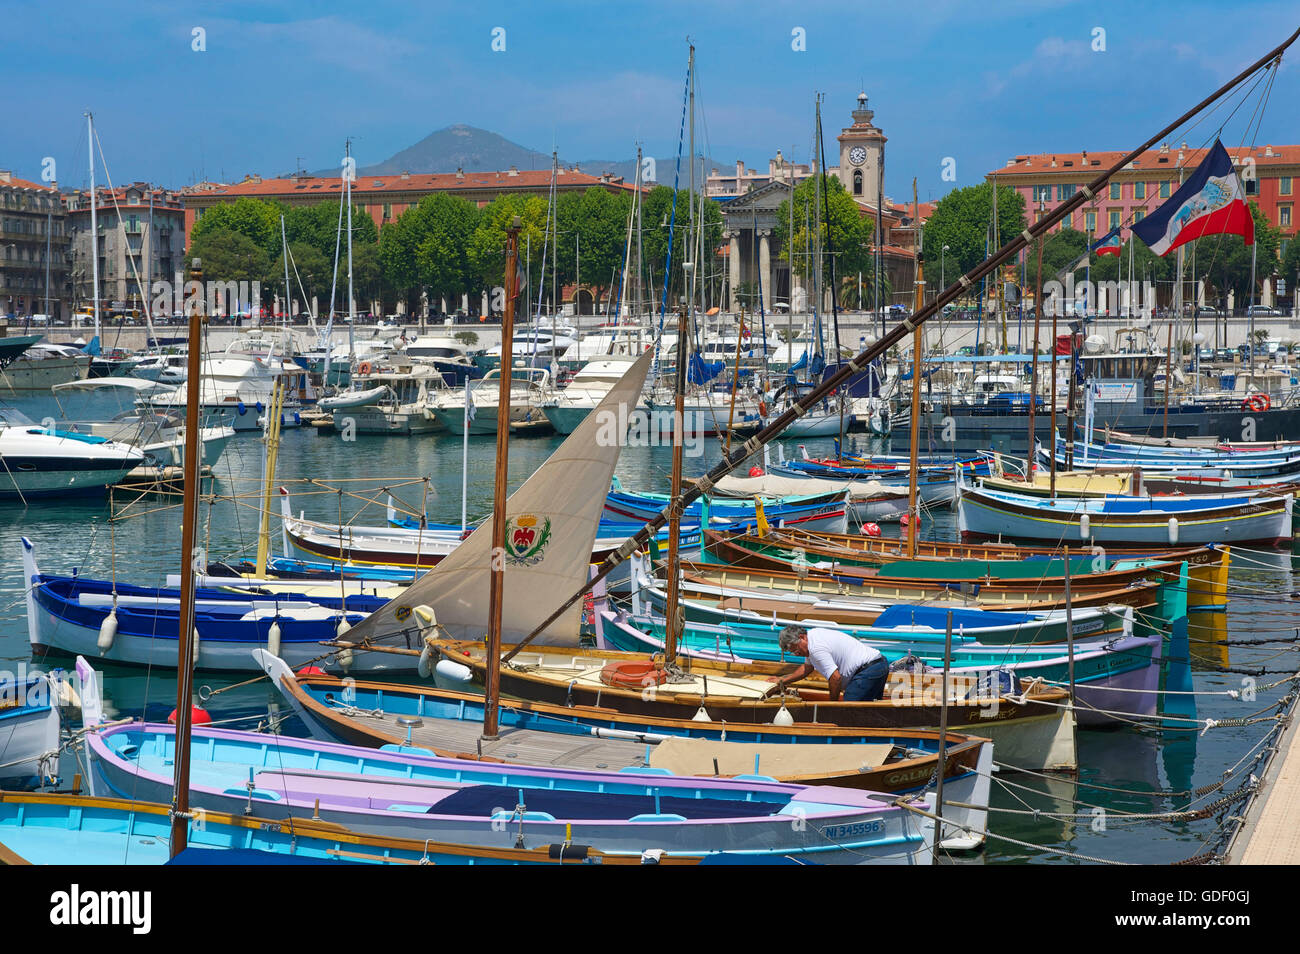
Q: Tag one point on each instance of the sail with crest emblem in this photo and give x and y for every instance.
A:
(551, 524)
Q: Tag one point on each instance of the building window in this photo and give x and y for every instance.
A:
(1164, 189)
(1116, 191)
(1042, 193)
(388, 211)
(1251, 184)
(1284, 216)
(1114, 218)
(1064, 192)
(857, 182)
(1284, 185)
(1139, 190)
(1139, 215)
(1090, 221)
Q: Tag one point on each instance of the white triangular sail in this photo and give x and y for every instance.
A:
(550, 530)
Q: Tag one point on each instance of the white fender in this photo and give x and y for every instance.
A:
(1173, 531)
(783, 716)
(453, 671)
(1085, 526)
(107, 631)
(273, 637)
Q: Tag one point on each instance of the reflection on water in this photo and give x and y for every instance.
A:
(76, 536)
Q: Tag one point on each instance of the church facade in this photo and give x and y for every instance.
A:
(752, 226)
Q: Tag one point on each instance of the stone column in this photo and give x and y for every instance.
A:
(733, 270)
(765, 266)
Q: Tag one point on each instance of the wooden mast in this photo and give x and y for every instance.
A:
(673, 617)
(180, 811)
(496, 592)
(913, 512)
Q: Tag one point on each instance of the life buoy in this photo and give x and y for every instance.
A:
(1257, 403)
(363, 367)
(633, 675)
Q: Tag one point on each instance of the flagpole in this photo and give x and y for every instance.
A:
(1250, 311)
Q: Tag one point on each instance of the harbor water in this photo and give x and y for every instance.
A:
(1044, 819)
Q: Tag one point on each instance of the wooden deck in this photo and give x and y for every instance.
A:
(522, 746)
(1270, 834)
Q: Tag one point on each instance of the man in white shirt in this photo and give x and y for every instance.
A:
(850, 667)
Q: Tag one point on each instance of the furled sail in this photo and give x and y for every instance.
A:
(550, 530)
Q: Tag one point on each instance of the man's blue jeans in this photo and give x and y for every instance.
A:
(868, 683)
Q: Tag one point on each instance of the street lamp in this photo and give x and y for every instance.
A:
(942, 261)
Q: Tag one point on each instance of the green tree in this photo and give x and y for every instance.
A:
(963, 219)
(657, 215)
(850, 234)
(313, 270)
(231, 257)
(1290, 267)
(428, 247)
(486, 244)
(1225, 260)
(592, 235)
(254, 219)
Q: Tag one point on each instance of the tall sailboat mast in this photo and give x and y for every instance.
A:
(352, 301)
(94, 220)
(496, 590)
(190, 565)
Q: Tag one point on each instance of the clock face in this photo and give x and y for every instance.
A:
(857, 155)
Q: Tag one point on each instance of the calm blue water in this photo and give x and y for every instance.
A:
(144, 548)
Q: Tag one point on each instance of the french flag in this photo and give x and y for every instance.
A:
(1108, 244)
(1210, 202)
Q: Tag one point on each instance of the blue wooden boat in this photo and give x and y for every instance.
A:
(29, 728)
(52, 829)
(410, 795)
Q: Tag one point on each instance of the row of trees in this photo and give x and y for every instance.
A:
(962, 220)
(446, 246)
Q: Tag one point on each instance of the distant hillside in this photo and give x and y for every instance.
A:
(480, 150)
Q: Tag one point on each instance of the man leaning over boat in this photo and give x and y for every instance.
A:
(848, 666)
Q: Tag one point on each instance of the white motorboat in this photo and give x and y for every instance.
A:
(37, 461)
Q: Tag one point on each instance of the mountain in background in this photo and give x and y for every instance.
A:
(479, 150)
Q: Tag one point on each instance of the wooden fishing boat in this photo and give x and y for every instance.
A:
(406, 794)
(386, 715)
(1043, 574)
(1262, 520)
(29, 728)
(1033, 731)
(51, 828)
(1117, 672)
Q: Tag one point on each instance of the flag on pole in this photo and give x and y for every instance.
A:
(1108, 244)
(1211, 202)
(470, 410)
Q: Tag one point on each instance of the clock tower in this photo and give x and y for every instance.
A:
(862, 156)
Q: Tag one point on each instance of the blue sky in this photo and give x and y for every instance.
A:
(978, 82)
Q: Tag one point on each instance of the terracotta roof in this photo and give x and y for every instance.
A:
(17, 183)
(1073, 162)
(529, 179)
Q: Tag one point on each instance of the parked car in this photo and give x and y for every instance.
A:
(1262, 311)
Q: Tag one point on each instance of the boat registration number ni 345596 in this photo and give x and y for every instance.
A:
(874, 827)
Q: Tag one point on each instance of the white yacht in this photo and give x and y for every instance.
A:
(569, 405)
(161, 437)
(38, 461)
(238, 387)
(446, 355)
(530, 388)
(41, 366)
(391, 400)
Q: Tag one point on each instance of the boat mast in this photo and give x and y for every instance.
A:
(190, 564)
(1032, 459)
(690, 194)
(830, 243)
(94, 221)
(892, 337)
(913, 512)
(496, 591)
(352, 302)
(674, 620)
